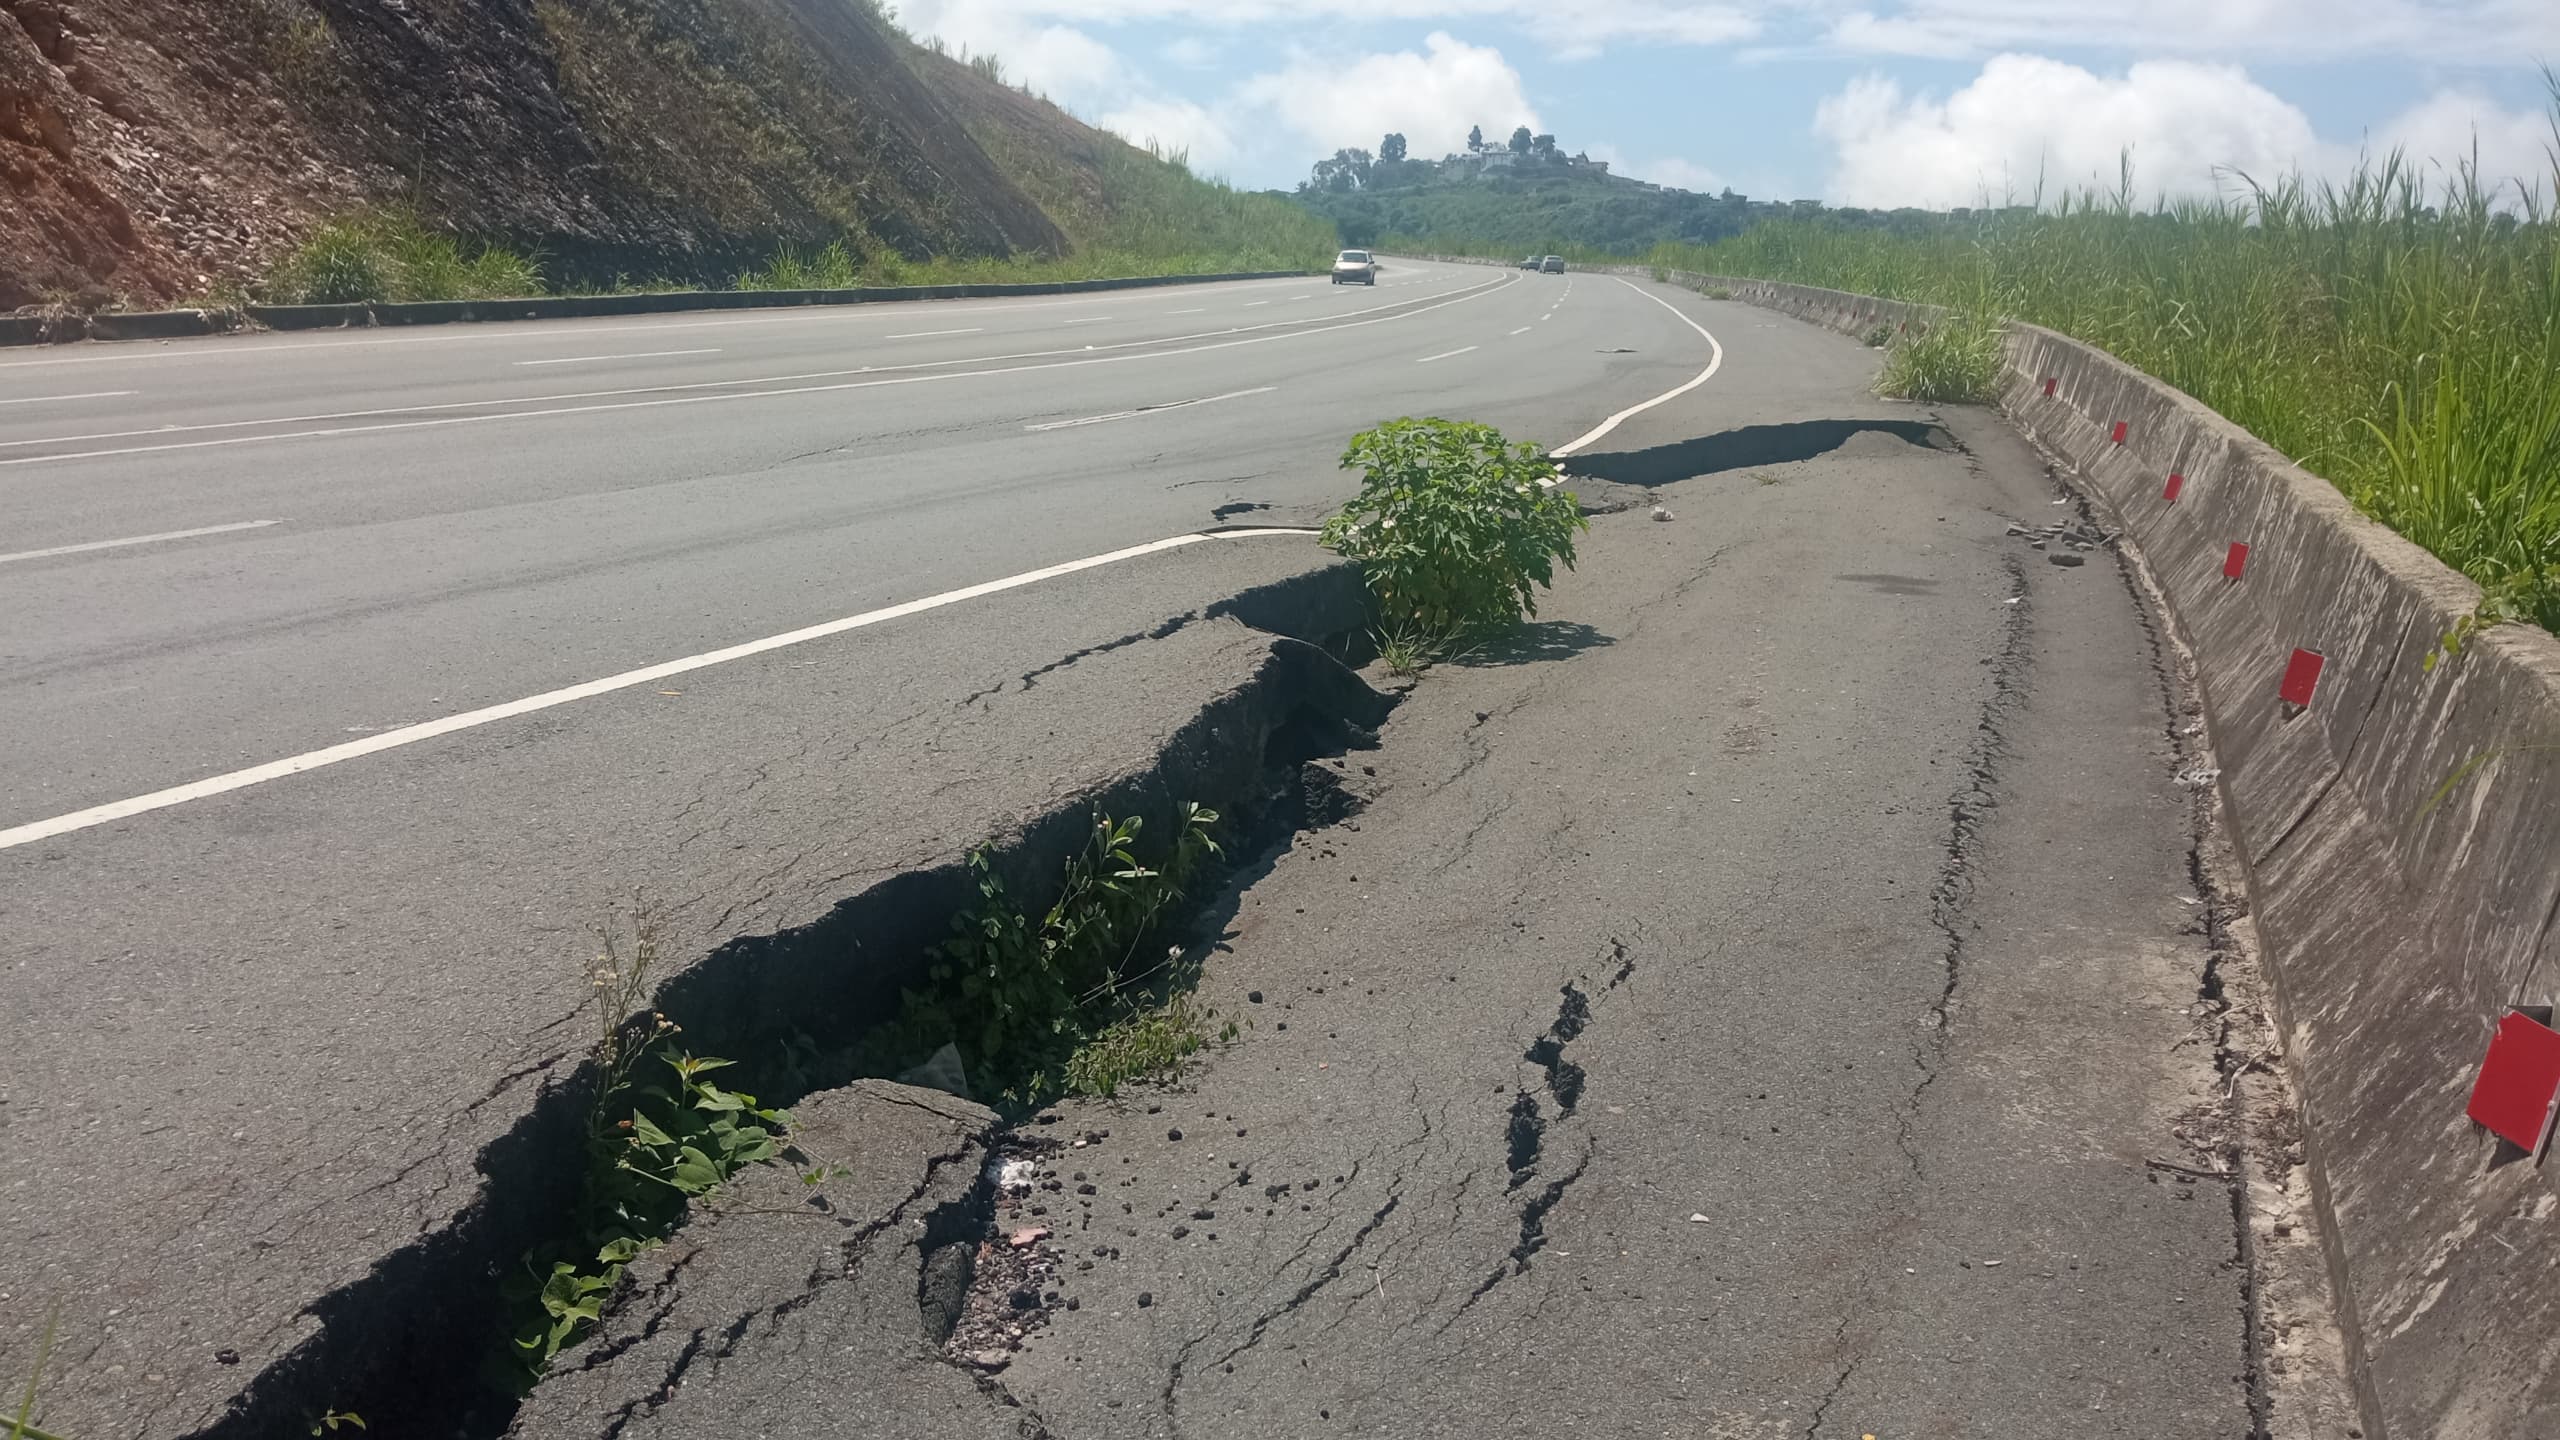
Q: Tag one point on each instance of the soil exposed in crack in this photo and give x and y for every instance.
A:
(389, 1345)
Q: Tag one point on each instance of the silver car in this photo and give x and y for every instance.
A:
(1355, 267)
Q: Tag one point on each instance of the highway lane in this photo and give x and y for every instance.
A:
(269, 1039)
(397, 581)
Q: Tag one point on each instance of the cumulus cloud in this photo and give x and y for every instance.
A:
(2493, 30)
(1430, 96)
(1057, 60)
(2188, 129)
(1174, 124)
(2512, 146)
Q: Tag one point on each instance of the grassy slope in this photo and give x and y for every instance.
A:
(2403, 344)
(1123, 209)
(992, 183)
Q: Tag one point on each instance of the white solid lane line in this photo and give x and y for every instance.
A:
(1151, 409)
(91, 395)
(138, 540)
(633, 355)
(1445, 354)
(730, 391)
(928, 334)
(471, 719)
(1713, 364)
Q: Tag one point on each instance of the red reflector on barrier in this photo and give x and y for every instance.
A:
(2518, 1080)
(2177, 482)
(2049, 383)
(2118, 437)
(2301, 677)
(2236, 561)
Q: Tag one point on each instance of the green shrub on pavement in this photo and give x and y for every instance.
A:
(1455, 527)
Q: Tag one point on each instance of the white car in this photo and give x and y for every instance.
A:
(1355, 267)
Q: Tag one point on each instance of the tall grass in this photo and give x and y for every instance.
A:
(2395, 334)
(392, 255)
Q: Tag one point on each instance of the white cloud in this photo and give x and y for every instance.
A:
(2494, 31)
(1174, 124)
(1668, 170)
(1191, 52)
(2514, 146)
(2187, 128)
(1430, 96)
(1057, 60)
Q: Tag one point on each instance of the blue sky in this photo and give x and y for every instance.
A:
(1877, 102)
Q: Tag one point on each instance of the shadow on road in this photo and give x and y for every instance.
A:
(1535, 642)
(1747, 446)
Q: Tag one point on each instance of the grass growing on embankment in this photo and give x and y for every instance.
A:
(2400, 338)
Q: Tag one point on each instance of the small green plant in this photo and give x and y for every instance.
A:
(23, 1427)
(329, 1422)
(1717, 292)
(1454, 527)
(1954, 362)
(1408, 650)
(660, 1135)
(1148, 1043)
(1018, 994)
(392, 255)
(1767, 477)
(1879, 337)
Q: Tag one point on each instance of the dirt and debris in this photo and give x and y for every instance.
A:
(153, 151)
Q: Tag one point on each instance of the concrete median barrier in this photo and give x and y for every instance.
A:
(168, 324)
(2399, 918)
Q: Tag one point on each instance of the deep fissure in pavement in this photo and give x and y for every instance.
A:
(1525, 1130)
(407, 1345)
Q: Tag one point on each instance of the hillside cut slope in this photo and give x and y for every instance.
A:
(152, 149)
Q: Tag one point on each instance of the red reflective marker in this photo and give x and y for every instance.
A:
(2518, 1080)
(2118, 437)
(2236, 561)
(2177, 482)
(2301, 677)
(2049, 383)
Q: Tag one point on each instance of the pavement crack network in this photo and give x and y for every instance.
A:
(1968, 810)
(1030, 678)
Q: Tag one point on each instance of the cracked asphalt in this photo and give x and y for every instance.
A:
(1773, 1008)
(1783, 874)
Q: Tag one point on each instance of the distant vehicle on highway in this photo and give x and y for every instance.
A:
(1553, 265)
(1531, 263)
(1355, 267)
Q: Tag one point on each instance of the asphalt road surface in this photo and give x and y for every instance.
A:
(269, 1018)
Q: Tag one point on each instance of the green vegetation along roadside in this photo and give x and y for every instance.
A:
(2400, 340)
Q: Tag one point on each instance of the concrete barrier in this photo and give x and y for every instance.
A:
(165, 324)
(2396, 931)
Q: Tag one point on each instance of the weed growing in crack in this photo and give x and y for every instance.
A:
(1455, 528)
(1141, 1045)
(23, 1426)
(1061, 999)
(659, 1135)
(1408, 650)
